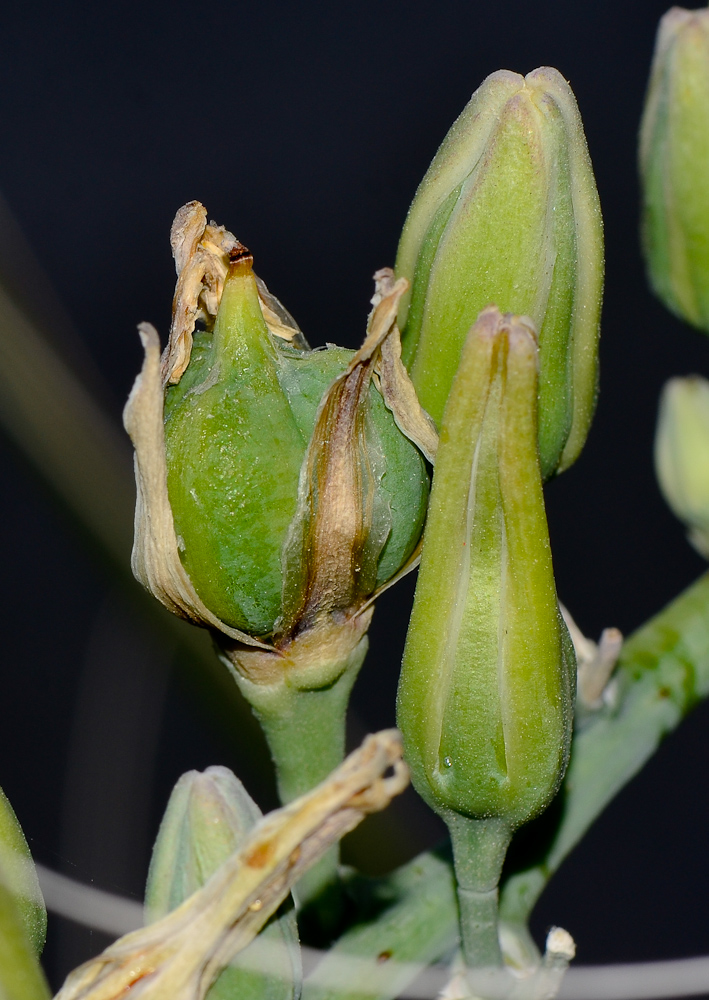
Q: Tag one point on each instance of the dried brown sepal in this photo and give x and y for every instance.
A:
(155, 559)
(336, 536)
(596, 662)
(306, 661)
(178, 957)
(278, 320)
(396, 386)
(202, 253)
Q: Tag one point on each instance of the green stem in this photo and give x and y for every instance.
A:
(305, 731)
(402, 922)
(306, 734)
(479, 849)
(21, 976)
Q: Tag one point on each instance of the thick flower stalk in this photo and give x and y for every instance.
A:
(486, 694)
(508, 213)
(674, 152)
(279, 489)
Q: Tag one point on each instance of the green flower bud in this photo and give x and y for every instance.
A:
(208, 818)
(280, 489)
(682, 455)
(508, 213)
(674, 152)
(19, 878)
(485, 699)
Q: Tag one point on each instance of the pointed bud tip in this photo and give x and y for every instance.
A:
(241, 260)
(518, 329)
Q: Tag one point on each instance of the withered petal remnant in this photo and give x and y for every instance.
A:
(179, 956)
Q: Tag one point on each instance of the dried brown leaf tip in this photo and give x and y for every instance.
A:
(179, 957)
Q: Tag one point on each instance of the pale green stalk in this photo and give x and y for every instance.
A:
(305, 732)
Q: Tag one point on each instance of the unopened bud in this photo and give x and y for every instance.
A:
(682, 455)
(508, 213)
(208, 818)
(487, 685)
(674, 152)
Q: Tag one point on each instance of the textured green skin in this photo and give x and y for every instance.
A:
(18, 873)
(23, 920)
(674, 165)
(234, 453)
(508, 214)
(406, 921)
(486, 692)
(233, 458)
(21, 976)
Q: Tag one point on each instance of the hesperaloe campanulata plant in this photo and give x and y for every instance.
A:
(280, 490)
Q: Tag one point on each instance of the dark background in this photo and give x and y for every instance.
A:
(305, 130)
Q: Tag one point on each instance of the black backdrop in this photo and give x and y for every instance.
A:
(305, 130)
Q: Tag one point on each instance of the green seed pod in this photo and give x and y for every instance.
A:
(674, 152)
(236, 430)
(234, 454)
(18, 876)
(291, 493)
(208, 818)
(508, 213)
(682, 455)
(485, 700)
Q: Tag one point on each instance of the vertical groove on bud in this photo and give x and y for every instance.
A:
(485, 698)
